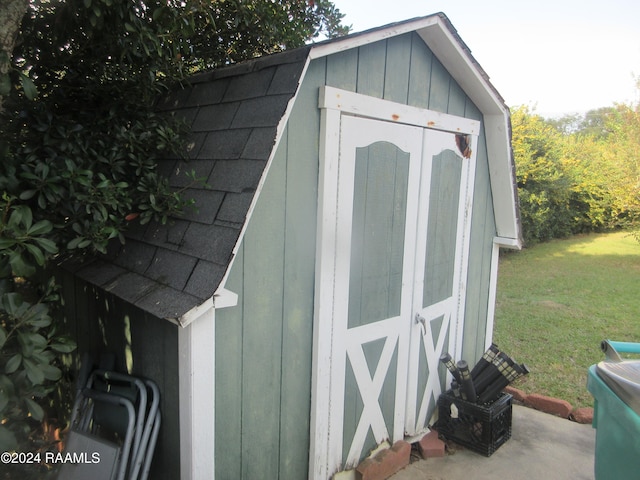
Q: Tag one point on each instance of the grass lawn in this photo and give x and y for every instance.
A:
(557, 301)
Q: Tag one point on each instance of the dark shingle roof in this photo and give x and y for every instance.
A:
(233, 114)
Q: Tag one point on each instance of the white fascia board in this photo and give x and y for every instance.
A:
(445, 46)
(196, 312)
(224, 298)
(358, 40)
(493, 288)
(449, 50)
(502, 176)
(460, 65)
(512, 243)
(457, 61)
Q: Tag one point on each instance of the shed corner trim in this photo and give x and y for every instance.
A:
(511, 243)
(224, 298)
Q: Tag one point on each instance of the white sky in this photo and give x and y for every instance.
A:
(557, 56)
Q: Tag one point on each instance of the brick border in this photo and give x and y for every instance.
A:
(553, 406)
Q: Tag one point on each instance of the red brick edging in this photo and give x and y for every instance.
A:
(553, 406)
(385, 463)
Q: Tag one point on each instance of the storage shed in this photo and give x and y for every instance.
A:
(358, 191)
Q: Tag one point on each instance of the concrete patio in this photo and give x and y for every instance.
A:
(542, 447)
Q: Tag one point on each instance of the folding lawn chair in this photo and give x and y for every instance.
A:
(118, 416)
(88, 437)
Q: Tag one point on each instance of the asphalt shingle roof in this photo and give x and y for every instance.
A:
(233, 114)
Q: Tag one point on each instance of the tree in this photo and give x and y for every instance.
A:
(543, 186)
(622, 152)
(577, 174)
(79, 141)
(11, 13)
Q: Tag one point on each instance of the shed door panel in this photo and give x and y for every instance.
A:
(377, 207)
(395, 275)
(378, 232)
(439, 275)
(375, 288)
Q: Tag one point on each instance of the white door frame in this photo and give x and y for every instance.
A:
(334, 103)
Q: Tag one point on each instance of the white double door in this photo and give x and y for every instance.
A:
(397, 280)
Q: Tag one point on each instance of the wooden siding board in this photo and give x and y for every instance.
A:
(420, 74)
(457, 100)
(239, 432)
(229, 368)
(371, 67)
(471, 111)
(396, 83)
(170, 395)
(262, 328)
(299, 280)
(439, 87)
(482, 232)
(342, 70)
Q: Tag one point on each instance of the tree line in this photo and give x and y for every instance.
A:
(579, 173)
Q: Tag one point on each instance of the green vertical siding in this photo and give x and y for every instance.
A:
(263, 324)
(396, 78)
(483, 231)
(420, 74)
(264, 344)
(229, 380)
(371, 61)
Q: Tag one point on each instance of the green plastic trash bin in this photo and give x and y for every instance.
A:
(617, 424)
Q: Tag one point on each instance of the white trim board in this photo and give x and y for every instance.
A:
(196, 379)
(365, 106)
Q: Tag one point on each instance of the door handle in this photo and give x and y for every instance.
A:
(423, 323)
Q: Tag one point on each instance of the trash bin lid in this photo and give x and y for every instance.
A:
(624, 379)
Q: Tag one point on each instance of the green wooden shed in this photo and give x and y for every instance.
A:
(358, 192)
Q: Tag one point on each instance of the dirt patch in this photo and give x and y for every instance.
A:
(551, 304)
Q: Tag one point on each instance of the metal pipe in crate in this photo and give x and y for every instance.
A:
(451, 366)
(468, 390)
(491, 372)
(487, 359)
(483, 384)
(509, 374)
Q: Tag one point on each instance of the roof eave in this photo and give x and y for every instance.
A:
(455, 56)
(442, 38)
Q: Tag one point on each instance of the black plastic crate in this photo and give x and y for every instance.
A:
(481, 428)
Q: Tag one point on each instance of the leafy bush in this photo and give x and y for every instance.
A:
(577, 176)
(29, 365)
(80, 141)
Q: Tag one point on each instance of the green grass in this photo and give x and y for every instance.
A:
(558, 300)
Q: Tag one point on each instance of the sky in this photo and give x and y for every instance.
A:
(556, 56)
